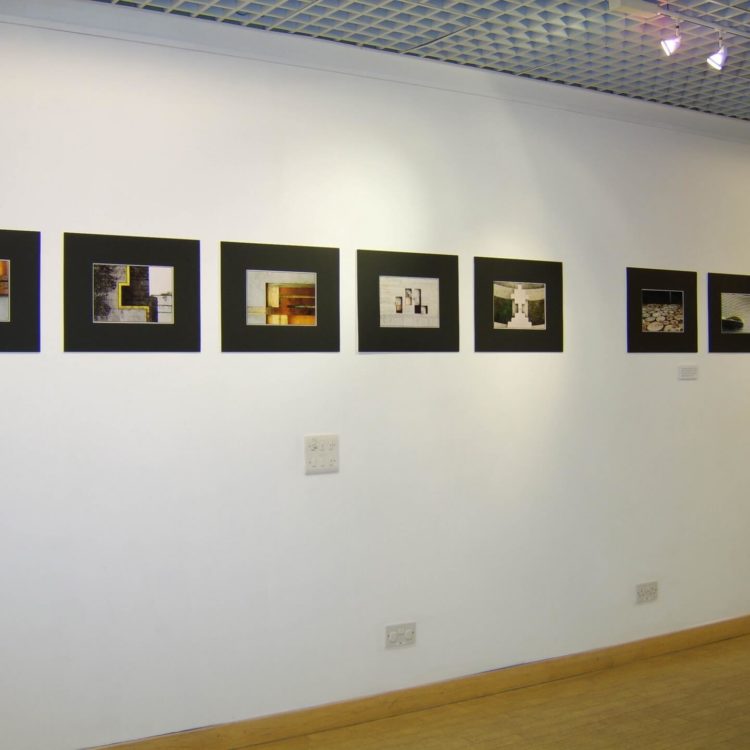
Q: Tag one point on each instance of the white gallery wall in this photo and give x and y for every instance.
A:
(164, 561)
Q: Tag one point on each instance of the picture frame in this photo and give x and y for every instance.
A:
(19, 290)
(116, 300)
(518, 305)
(426, 317)
(279, 298)
(661, 311)
(728, 312)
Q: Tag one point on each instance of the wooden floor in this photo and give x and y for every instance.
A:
(693, 699)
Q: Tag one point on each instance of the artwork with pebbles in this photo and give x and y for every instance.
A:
(662, 311)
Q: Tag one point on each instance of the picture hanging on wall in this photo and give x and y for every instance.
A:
(728, 312)
(407, 302)
(661, 312)
(19, 291)
(279, 298)
(517, 305)
(131, 294)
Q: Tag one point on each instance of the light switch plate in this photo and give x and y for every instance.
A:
(321, 454)
(403, 634)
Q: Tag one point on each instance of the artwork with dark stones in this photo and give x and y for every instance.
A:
(728, 313)
(133, 294)
(735, 312)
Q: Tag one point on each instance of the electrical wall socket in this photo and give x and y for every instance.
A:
(398, 636)
(646, 592)
(321, 454)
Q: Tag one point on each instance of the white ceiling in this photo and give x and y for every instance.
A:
(583, 43)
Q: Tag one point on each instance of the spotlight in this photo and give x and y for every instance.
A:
(717, 60)
(671, 45)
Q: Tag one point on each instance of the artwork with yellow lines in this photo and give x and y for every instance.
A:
(133, 294)
(4, 291)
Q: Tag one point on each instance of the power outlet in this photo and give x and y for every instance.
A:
(321, 454)
(646, 592)
(398, 636)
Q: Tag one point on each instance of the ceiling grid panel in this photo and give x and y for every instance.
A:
(588, 44)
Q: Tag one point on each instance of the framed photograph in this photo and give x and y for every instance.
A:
(131, 294)
(279, 298)
(19, 291)
(407, 302)
(661, 310)
(517, 305)
(728, 313)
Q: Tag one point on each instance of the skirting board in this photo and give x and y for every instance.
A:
(246, 734)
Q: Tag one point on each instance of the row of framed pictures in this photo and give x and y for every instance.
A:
(143, 294)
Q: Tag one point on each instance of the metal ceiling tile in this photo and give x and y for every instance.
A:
(580, 43)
